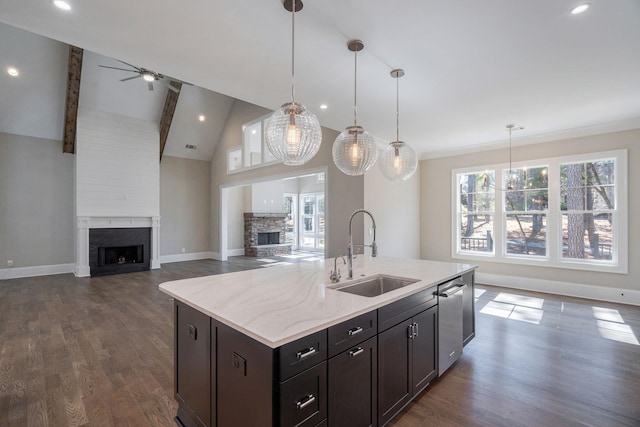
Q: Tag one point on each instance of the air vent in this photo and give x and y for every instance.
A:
(190, 147)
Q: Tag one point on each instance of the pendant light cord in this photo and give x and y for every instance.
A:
(293, 44)
(355, 89)
(397, 108)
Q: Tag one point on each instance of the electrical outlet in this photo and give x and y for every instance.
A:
(10, 263)
(183, 250)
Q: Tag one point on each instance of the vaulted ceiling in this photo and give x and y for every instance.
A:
(471, 67)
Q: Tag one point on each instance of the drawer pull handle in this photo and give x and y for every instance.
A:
(356, 352)
(415, 329)
(305, 401)
(355, 330)
(411, 331)
(306, 353)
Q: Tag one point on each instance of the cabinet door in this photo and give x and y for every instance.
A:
(303, 399)
(395, 387)
(193, 361)
(425, 355)
(468, 312)
(353, 386)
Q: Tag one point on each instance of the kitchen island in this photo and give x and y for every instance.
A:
(282, 346)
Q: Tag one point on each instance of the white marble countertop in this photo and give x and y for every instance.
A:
(277, 305)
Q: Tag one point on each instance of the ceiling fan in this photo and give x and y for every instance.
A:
(148, 75)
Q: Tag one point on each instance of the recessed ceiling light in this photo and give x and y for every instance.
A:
(323, 106)
(201, 117)
(61, 4)
(580, 8)
(13, 72)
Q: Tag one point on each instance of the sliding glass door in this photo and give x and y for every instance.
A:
(291, 221)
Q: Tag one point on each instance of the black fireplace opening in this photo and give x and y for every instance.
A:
(271, 238)
(119, 250)
(120, 255)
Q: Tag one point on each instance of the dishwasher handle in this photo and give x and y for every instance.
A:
(451, 291)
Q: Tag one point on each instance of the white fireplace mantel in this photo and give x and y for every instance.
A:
(85, 223)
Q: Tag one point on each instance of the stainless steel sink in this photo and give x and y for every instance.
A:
(375, 285)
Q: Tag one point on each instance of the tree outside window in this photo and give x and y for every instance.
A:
(587, 203)
(476, 209)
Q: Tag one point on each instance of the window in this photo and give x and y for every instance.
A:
(312, 220)
(567, 212)
(253, 152)
(526, 201)
(476, 210)
(587, 202)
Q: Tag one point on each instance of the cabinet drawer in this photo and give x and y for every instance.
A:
(405, 308)
(352, 332)
(302, 354)
(303, 398)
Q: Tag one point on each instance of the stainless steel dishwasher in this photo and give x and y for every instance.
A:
(450, 332)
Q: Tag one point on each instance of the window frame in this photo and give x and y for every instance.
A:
(264, 150)
(553, 258)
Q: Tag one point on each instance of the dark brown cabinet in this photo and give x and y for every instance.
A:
(358, 373)
(353, 386)
(193, 365)
(468, 309)
(407, 354)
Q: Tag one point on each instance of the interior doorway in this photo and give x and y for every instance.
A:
(301, 196)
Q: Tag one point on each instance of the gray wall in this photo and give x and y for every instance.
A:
(344, 193)
(437, 215)
(185, 191)
(36, 202)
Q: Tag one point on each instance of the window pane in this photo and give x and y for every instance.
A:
(587, 236)
(476, 233)
(234, 160)
(527, 234)
(308, 224)
(477, 192)
(526, 189)
(252, 136)
(309, 205)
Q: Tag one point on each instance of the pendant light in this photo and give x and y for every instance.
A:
(398, 161)
(354, 150)
(293, 133)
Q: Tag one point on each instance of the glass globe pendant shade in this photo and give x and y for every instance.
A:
(293, 134)
(398, 161)
(354, 151)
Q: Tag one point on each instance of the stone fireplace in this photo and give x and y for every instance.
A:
(264, 234)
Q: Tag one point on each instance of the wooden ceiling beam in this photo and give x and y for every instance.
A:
(167, 114)
(74, 72)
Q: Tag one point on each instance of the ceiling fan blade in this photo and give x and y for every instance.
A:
(116, 68)
(132, 66)
(131, 78)
(150, 85)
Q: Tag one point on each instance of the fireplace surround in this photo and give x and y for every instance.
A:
(86, 225)
(264, 234)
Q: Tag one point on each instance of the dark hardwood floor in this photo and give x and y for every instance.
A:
(99, 352)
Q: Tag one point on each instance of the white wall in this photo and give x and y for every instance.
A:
(117, 165)
(236, 209)
(395, 205)
(267, 197)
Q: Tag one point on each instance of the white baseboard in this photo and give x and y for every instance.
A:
(193, 256)
(600, 293)
(38, 270)
(235, 252)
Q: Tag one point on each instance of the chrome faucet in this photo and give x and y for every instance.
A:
(335, 274)
(373, 246)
